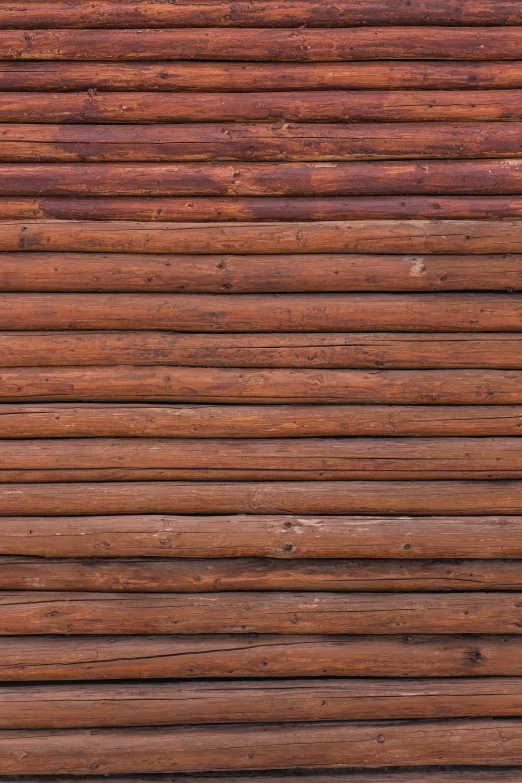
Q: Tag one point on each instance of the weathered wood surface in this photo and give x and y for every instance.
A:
(272, 45)
(174, 704)
(217, 77)
(41, 612)
(361, 178)
(219, 575)
(365, 236)
(440, 312)
(271, 386)
(86, 420)
(283, 13)
(425, 775)
(160, 459)
(84, 658)
(492, 742)
(283, 537)
(332, 350)
(215, 209)
(258, 141)
(295, 273)
(417, 498)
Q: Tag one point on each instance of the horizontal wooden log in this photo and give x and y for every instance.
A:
(161, 459)
(283, 13)
(244, 77)
(302, 272)
(272, 386)
(250, 747)
(417, 105)
(215, 576)
(258, 142)
(249, 179)
(40, 612)
(279, 45)
(111, 705)
(417, 498)
(282, 536)
(333, 350)
(87, 420)
(432, 237)
(226, 208)
(431, 775)
(440, 312)
(84, 658)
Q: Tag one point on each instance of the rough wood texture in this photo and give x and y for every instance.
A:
(365, 236)
(243, 77)
(84, 658)
(112, 705)
(85, 420)
(100, 459)
(417, 498)
(272, 386)
(274, 746)
(296, 273)
(275, 45)
(424, 775)
(40, 612)
(208, 576)
(283, 536)
(356, 178)
(341, 351)
(258, 141)
(208, 208)
(257, 313)
(282, 13)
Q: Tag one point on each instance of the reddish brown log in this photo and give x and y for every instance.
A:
(279, 537)
(364, 236)
(416, 498)
(174, 704)
(474, 775)
(306, 106)
(215, 576)
(259, 142)
(221, 385)
(301, 45)
(303, 272)
(264, 313)
(29, 613)
(275, 746)
(243, 77)
(29, 658)
(207, 208)
(283, 13)
(338, 351)
(251, 179)
(160, 459)
(250, 421)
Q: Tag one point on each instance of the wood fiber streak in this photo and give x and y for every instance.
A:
(85, 420)
(282, 536)
(88, 658)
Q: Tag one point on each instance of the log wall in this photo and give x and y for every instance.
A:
(261, 391)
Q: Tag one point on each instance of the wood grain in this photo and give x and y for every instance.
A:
(40, 612)
(251, 747)
(322, 459)
(219, 575)
(432, 237)
(84, 658)
(274, 45)
(258, 141)
(332, 350)
(112, 705)
(85, 420)
(362, 178)
(281, 536)
(294, 273)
